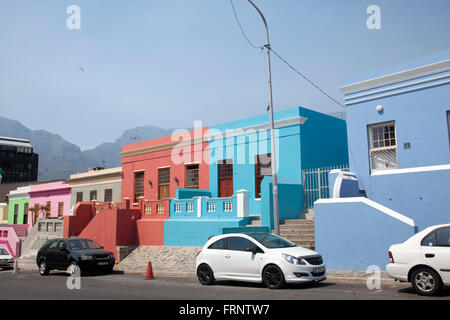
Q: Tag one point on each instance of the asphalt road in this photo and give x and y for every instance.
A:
(30, 285)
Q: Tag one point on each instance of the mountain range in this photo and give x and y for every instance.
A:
(58, 158)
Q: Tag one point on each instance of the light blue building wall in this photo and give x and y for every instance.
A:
(415, 98)
(304, 139)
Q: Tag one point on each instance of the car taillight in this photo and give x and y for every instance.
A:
(391, 258)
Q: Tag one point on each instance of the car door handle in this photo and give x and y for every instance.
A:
(228, 256)
(429, 255)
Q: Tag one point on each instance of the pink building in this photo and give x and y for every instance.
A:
(54, 195)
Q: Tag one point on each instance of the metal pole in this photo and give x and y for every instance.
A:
(276, 217)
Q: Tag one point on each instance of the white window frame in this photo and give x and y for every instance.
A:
(384, 148)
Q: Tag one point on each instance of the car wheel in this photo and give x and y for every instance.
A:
(43, 269)
(426, 282)
(205, 275)
(273, 277)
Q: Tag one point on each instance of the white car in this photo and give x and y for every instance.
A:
(6, 260)
(423, 260)
(258, 257)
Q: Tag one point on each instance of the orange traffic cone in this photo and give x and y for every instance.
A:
(149, 275)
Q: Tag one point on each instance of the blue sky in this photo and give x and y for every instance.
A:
(168, 63)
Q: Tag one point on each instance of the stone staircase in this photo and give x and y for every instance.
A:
(43, 230)
(255, 222)
(299, 231)
(166, 261)
(28, 260)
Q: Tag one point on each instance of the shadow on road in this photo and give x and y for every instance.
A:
(410, 291)
(311, 285)
(84, 274)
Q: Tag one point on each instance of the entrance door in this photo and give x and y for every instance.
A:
(163, 183)
(225, 178)
(35, 213)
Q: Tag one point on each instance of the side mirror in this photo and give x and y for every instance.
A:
(254, 250)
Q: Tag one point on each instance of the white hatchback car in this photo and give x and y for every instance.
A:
(6, 260)
(258, 257)
(423, 260)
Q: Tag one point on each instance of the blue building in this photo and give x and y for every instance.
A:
(240, 184)
(399, 141)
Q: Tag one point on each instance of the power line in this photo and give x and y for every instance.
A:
(242, 29)
(304, 77)
(287, 63)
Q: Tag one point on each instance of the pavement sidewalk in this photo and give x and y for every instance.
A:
(338, 276)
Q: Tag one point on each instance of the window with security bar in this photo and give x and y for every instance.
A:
(263, 167)
(383, 146)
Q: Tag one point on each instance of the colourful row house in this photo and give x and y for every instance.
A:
(399, 137)
(18, 223)
(18, 209)
(181, 189)
(27, 205)
(3, 213)
(50, 200)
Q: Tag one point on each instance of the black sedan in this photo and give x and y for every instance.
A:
(60, 254)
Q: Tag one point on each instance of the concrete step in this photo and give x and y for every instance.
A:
(296, 230)
(299, 239)
(256, 221)
(294, 234)
(298, 222)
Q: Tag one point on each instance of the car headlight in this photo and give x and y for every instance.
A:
(292, 259)
(86, 257)
(10, 260)
(112, 256)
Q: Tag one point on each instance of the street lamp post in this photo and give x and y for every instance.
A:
(276, 216)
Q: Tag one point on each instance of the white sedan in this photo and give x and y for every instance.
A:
(258, 257)
(423, 260)
(6, 260)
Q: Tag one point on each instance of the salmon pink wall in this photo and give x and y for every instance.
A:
(150, 162)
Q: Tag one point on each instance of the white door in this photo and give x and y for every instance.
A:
(215, 255)
(240, 263)
(435, 252)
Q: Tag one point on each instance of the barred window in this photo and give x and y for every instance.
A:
(263, 167)
(383, 146)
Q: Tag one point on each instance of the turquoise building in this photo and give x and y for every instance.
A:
(240, 183)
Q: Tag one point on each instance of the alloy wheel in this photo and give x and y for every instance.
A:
(205, 275)
(425, 281)
(273, 277)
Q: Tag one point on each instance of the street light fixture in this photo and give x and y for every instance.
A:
(276, 216)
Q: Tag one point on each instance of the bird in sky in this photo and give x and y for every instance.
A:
(81, 68)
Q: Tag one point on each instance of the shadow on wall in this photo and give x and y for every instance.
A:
(290, 200)
(356, 233)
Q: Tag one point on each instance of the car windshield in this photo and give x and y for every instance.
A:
(82, 244)
(271, 241)
(3, 252)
